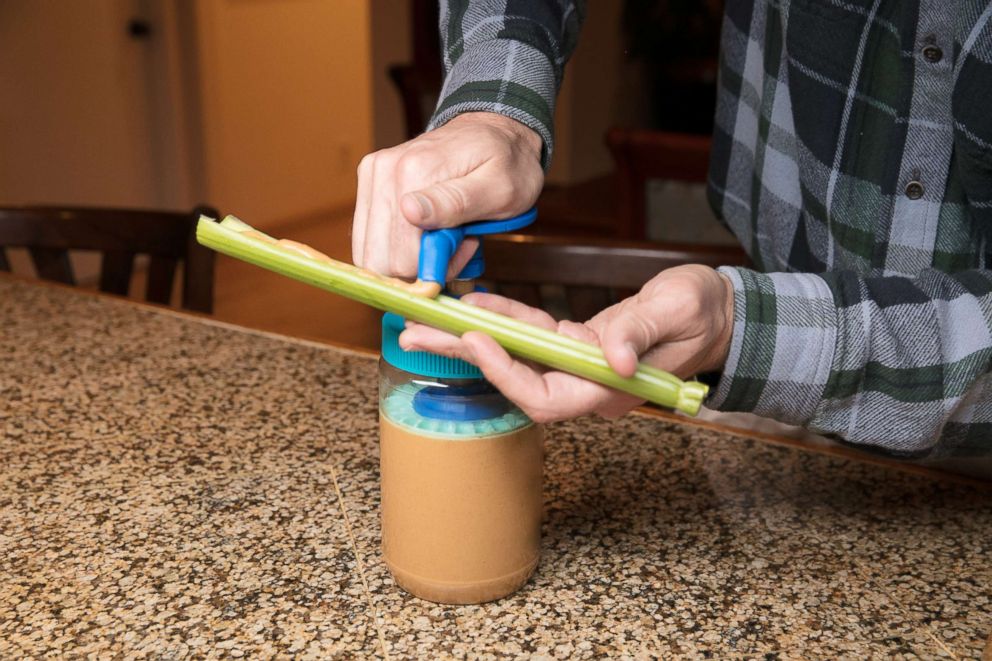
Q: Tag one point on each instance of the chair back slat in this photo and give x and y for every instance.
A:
(198, 269)
(586, 302)
(594, 272)
(52, 264)
(525, 293)
(161, 271)
(115, 272)
(642, 154)
(594, 262)
(118, 234)
(145, 232)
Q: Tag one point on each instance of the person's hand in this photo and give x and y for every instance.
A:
(681, 321)
(478, 166)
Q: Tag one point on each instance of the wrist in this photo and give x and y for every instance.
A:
(725, 323)
(522, 135)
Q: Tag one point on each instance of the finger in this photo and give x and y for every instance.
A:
(544, 397)
(522, 384)
(362, 204)
(584, 396)
(462, 256)
(605, 401)
(418, 337)
(635, 329)
(512, 308)
(378, 229)
(476, 196)
(578, 331)
(404, 248)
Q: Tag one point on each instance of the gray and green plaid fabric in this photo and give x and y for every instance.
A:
(852, 157)
(507, 57)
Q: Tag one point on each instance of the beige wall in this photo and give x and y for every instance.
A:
(286, 102)
(392, 43)
(75, 122)
(261, 107)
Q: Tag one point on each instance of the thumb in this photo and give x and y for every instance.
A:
(451, 203)
(635, 329)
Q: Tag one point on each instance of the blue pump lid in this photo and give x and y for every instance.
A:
(476, 400)
(422, 363)
(458, 403)
(437, 247)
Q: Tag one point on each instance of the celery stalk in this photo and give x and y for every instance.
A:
(449, 314)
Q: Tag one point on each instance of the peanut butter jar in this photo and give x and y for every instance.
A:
(461, 470)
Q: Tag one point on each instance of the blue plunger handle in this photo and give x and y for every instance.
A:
(437, 247)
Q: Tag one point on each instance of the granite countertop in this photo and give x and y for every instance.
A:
(174, 487)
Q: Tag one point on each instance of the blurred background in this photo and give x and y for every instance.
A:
(263, 108)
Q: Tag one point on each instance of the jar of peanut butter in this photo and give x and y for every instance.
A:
(461, 471)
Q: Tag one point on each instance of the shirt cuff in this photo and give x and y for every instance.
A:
(505, 77)
(783, 345)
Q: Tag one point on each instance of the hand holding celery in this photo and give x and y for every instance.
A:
(237, 239)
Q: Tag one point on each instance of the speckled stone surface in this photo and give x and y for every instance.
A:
(172, 488)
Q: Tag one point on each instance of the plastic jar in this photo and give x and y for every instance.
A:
(461, 471)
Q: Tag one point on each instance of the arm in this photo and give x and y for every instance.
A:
(898, 363)
(507, 58)
(489, 142)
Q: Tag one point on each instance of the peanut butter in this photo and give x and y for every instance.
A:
(418, 288)
(461, 517)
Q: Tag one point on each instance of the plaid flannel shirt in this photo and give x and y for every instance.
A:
(852, 157)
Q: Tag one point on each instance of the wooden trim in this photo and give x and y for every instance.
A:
(525, 258)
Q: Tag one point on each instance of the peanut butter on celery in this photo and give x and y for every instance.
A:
(418, 287)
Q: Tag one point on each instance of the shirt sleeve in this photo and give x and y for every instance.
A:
(507, 57)
(898, 363)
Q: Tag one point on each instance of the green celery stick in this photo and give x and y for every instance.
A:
(451, 315)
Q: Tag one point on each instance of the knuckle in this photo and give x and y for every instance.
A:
(504, 192)
(366, 164)
(502, 149)
(385, 161)
(402, 263)
(686, 301)
(410, 166)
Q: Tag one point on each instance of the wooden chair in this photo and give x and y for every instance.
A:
(594, 273)
(119, 235)
(418, 87)
(641, 155)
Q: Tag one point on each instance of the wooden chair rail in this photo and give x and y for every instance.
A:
(641, 155)
(594, 273)
(168, 238)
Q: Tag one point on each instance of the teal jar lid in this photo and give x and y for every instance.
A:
(421, 363)
(398, 406)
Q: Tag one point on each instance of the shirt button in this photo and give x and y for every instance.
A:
(914, 190)
(933, 54)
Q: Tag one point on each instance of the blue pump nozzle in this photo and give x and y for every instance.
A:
(468, 401)
(437, 247)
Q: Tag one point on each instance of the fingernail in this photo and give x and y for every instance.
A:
(631, 348)
(426, 210)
